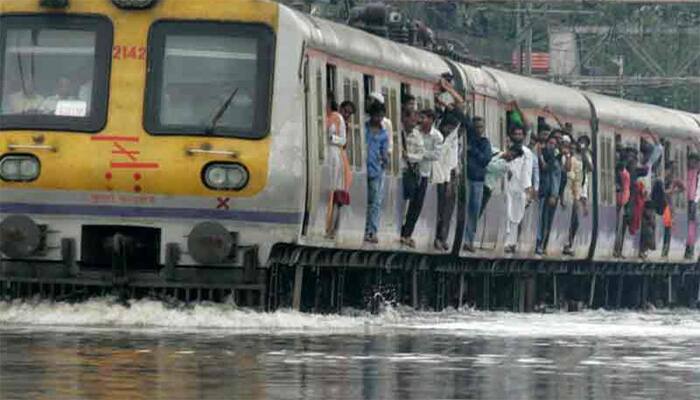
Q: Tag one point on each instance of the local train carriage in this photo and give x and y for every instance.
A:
(176, 149)
(148, 131)
(351, 64)
(483, 98)
(183, 144)
(541, 103)
(623, 124)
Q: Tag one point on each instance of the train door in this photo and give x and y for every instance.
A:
(674, 230)
(490, 223)
(609, 216)
(352, 220)
(390, 90)
(315, 140)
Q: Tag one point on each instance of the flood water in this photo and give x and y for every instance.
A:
(100, 350)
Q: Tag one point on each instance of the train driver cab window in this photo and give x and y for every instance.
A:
(54, 72)
(209, 78)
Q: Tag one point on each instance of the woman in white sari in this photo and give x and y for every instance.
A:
(336, 129)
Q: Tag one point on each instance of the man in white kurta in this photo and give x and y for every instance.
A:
(518, 183)
(443, 172)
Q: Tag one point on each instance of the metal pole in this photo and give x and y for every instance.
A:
(414, 295)
(487, 294)
(607, 291)
(298, 279)
(528, 42)
(461, 290)
(592, 294)
(333, 283)
(518, 29)
(620, 282)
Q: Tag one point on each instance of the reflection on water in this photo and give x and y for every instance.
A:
(398, 355)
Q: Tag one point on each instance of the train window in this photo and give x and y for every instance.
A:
(502, 133)
(350, 145)
(393, 115)
(347, 92)
(541, 123)
(54, 72)
(320, 121)
(356, 122)
(209, 78)
(331, 80)
(405, 90)
(679, 172)
(682, 175)
(368, 82)
(387, 114)
(385, 94)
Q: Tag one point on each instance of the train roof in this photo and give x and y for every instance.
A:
(537, 93)
(697, 118)
(364, 48)
(639, 116)
(479, 81)
(693, 117)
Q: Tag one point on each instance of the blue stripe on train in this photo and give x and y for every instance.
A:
(150, 212)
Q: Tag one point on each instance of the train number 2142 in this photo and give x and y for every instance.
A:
(128, 52)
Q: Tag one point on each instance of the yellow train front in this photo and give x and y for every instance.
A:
(135, 145)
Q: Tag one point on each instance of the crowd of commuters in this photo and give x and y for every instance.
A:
(551, 173)
(645, 190)
(430, 155)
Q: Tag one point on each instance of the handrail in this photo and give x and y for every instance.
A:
(230, 153)
(31, 147)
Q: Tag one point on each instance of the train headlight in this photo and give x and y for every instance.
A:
(19, 168)
(216, 177)
(225, 176)
(236, 177)
(29, 168)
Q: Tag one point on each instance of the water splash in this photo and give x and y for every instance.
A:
(156, 316)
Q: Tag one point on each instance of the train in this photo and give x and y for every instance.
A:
(178, 147)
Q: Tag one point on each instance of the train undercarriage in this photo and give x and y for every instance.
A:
(329, 280)
(323, 280)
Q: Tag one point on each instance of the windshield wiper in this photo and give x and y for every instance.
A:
(220, 112)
